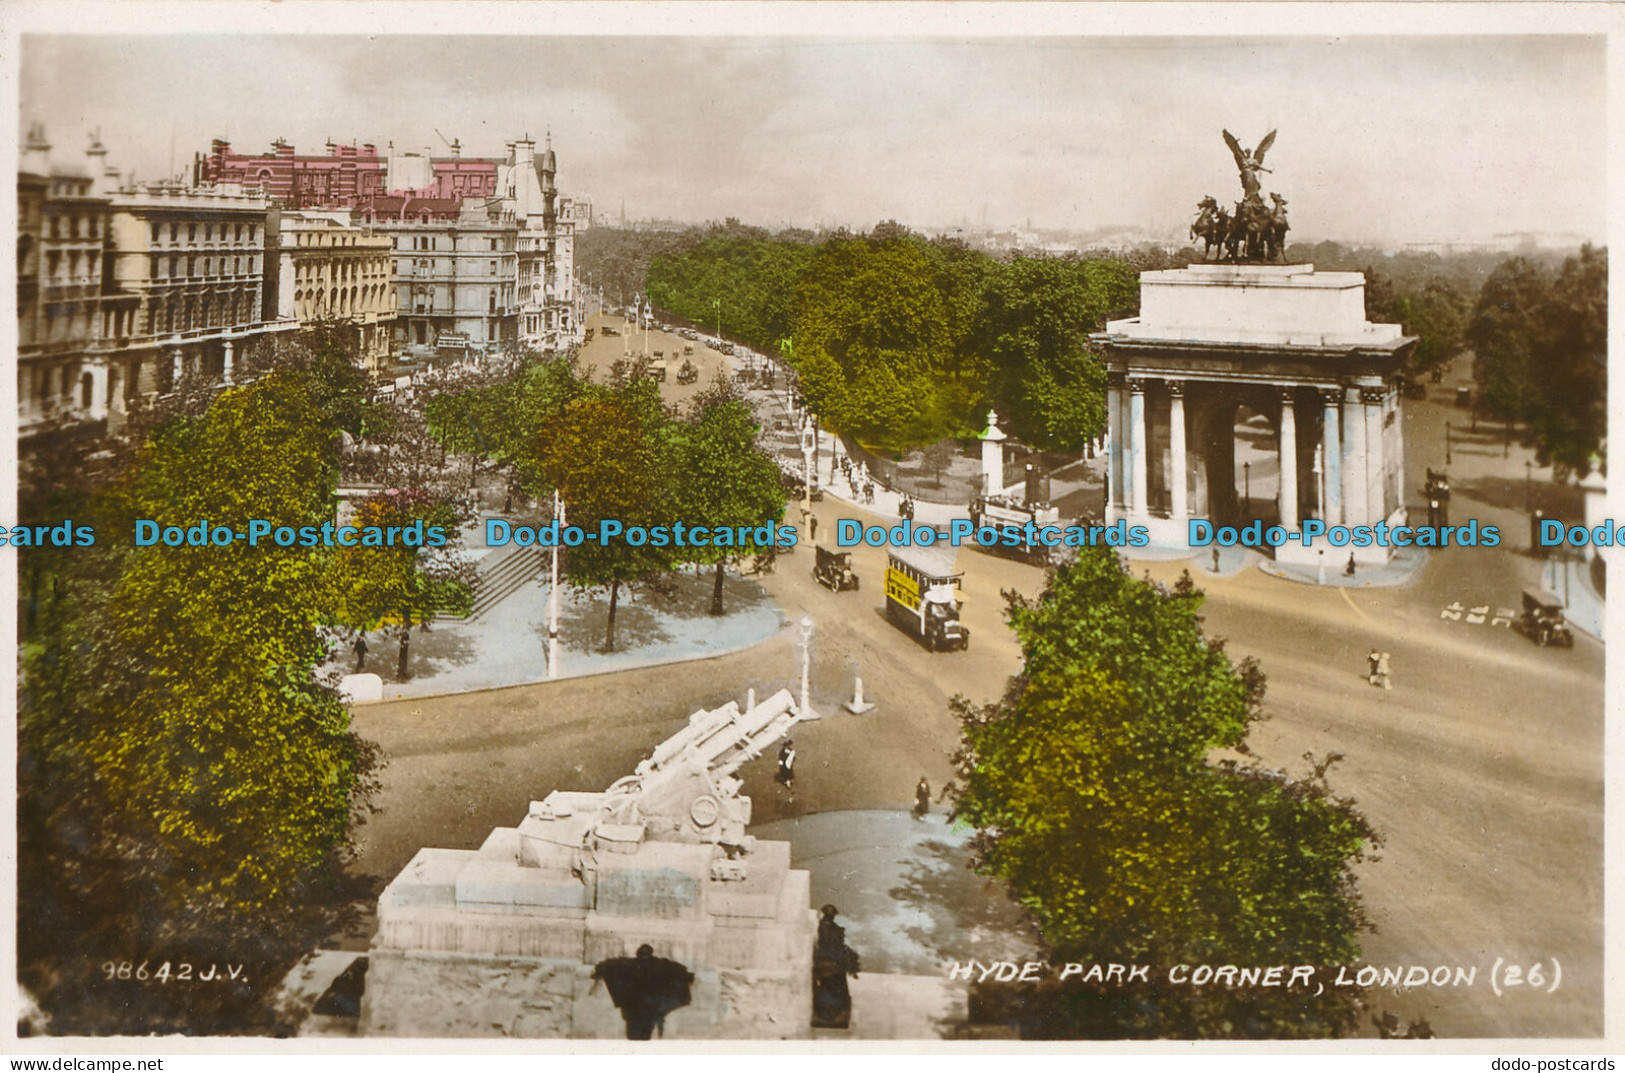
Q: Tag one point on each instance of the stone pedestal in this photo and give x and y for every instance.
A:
(503, 940)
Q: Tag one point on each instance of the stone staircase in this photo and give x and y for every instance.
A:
(500, 576)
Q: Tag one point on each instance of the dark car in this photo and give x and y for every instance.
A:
(1542, 620)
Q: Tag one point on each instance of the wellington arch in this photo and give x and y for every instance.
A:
(1282, 341)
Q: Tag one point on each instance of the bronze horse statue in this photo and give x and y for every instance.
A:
(1212, 226)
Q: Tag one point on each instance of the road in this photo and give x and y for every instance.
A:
(1482, 767)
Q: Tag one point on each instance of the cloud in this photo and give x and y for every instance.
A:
(1398, 138)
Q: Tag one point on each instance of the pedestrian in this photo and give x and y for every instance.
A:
(787, 766)
(922, 799)
(1348, 571)
(812, 527)
(1372, 663)
(1215, 560)
(869, 493)
(1382, 670)
(360, 651)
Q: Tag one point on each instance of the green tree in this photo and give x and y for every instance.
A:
(1034, 328)
(604, 454)
(727, 480)
(403, 584)
(876, 343)
(1541, 345)
(178, 755)
(1094, 795)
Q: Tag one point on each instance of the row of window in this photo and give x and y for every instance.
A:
(238, 266)
(322, 302)
(342, 270)
(209, 311)
(74, 226)
(431, 243)
(231, 232)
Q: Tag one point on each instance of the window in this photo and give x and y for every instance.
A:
(208, 232)
(174, 265)
(157, 233)
(153, 271)
(174, 232)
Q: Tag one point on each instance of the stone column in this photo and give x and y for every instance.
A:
(1114, 439)
(1289, 462)
(1355, 511)
(98, 390)
(1398, 449)
(226, 373)
(180, 369)
(1376, 478)
(1176, 448)
(1331, 452)
(1137, 461)
(993, 456)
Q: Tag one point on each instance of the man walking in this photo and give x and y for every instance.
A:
(360, 652)
(922, 799)
(787, 766)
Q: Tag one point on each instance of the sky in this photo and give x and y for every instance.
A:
(1385, 139)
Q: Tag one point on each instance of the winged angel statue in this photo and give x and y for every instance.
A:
(1250, 163)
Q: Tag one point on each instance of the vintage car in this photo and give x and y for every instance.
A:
(834, 570)
(1542, 620)
(687, 374)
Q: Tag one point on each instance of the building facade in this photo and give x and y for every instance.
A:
(194, 261)
(68, 316)
(455, 281)
(546, 246)
(328, 273)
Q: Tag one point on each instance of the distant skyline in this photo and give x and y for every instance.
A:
(1382, 139)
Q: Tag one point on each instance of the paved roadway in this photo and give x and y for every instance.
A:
(1482, 766)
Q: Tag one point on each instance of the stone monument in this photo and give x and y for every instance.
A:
(504, 940)
(1291, 346)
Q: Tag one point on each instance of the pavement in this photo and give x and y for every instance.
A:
(507, 645)
(907, 896)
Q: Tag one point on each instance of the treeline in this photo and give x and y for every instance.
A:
(902, 341)
(1541, 337)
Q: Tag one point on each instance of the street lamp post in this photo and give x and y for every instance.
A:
(1447, 443)
(1528, 484)
(553, 597)
(1247, 491)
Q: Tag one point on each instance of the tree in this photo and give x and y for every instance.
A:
(877, 342)
(1094, 796)
(939, 456)
(1542, 349)
(727, 480)
(604, 454)
(189, 783)
(401, 584)
(1037, 313)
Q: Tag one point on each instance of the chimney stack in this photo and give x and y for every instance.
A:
(36, 156)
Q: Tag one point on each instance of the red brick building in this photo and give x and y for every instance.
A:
(348, 176)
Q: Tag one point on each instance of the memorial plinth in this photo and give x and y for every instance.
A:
(1285, 342)
(502, 941)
